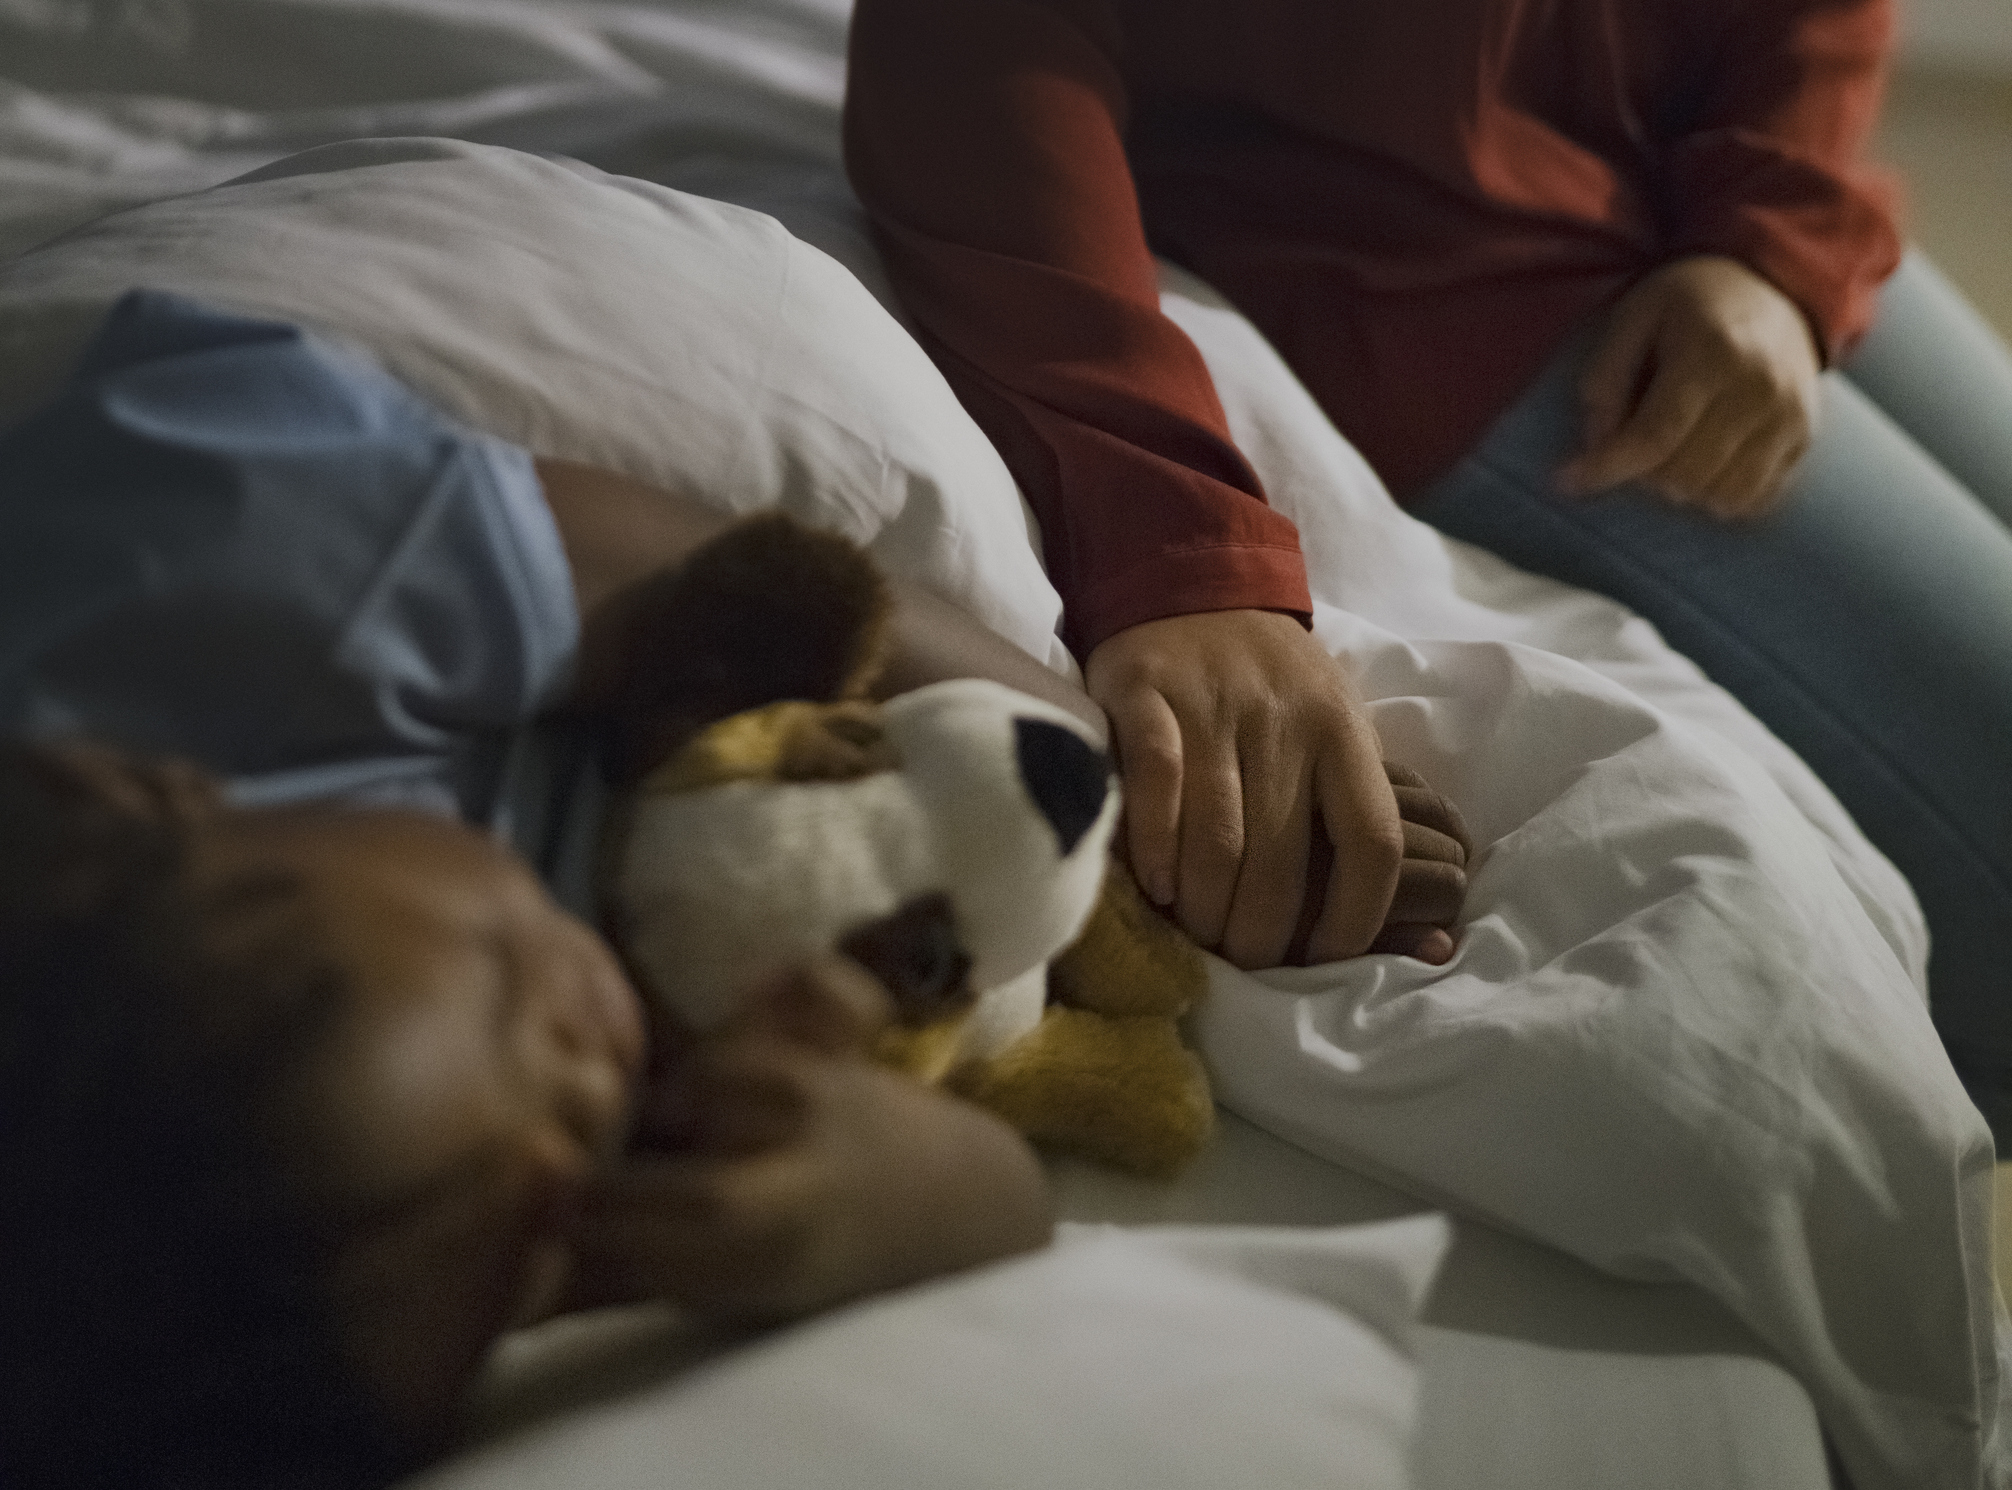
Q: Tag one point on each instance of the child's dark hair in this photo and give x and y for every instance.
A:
(160, 1326)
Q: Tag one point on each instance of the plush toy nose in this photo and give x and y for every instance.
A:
(1067, 778)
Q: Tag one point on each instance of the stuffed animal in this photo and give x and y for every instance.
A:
(954, 840)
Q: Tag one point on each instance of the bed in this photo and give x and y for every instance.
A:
(1638, 1191)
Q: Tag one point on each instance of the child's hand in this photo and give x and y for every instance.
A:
(1431, 881)
(784, 1172)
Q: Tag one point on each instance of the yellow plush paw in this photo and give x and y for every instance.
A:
(1124, 1091)
(1130, 960)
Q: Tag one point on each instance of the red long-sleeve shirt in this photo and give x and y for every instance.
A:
(1415, 202)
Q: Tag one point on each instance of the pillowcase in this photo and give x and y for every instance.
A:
(1180, 1359)
(587, 317)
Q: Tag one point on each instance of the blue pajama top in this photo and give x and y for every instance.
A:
(231, 541)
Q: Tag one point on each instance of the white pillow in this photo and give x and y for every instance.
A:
(1176, 1360)
(689, 343)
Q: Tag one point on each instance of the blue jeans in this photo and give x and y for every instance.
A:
(1867, 621)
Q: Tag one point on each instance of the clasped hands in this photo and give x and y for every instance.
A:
(1251, 771)
(780, 1170)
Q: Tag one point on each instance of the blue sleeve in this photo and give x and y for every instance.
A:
(229, 540)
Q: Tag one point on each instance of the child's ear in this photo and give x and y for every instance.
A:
(769, 610)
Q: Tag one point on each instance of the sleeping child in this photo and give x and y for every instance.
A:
(316, 1077)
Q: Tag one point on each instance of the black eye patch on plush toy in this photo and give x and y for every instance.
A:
(1067, 777)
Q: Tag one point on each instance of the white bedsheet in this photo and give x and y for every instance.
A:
(1591, 1070)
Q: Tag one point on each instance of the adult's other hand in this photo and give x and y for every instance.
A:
(1232, 728)
(1704, 386)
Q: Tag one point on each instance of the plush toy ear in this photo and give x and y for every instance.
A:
(769, 610)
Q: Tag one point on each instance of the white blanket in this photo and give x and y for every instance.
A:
(1683, 1037)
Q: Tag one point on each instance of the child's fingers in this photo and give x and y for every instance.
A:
(725, 1237)
(1433, 827)
(1429, 893)
(1432, 880)
(728, 1098)
(1418, 803)
(1421, 842)
(1399, 774)
(1431, 944)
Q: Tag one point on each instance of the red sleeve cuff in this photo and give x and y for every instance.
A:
(1224, 577)
(1131, 534)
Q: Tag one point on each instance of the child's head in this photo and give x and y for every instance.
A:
(295, 1103)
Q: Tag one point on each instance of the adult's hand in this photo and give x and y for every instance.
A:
(1232, 728)
(1704, 386)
